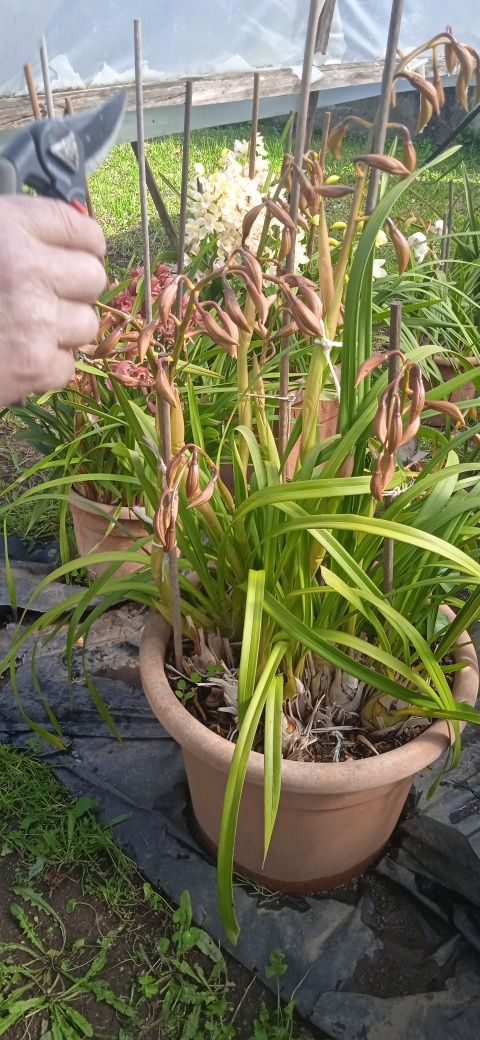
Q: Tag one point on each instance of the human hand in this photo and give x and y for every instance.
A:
(51, 271)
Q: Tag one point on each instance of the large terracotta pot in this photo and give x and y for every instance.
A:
(333, 820)
(91, 523)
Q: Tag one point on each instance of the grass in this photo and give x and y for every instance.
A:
(88, 949)
(114, 186)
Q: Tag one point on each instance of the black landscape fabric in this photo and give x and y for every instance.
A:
(395, 954)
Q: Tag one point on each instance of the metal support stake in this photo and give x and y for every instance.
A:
(46, 79)
(254, 128)
(164, 411)
(381, 118)
(393, 370)
(315, 7)
(187, 121)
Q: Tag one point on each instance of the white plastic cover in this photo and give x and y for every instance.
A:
(90, 42)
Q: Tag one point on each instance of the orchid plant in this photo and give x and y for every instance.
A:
(331, 626)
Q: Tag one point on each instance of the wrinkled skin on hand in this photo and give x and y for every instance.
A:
(51, 271)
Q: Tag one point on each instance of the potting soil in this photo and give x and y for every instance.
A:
(394, 954)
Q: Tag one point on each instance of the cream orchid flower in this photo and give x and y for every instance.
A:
(379, 269)
(419, 245)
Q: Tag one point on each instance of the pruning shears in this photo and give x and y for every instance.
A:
(54, 156)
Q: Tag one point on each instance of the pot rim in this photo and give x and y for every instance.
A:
(304, 777)
(90, 505)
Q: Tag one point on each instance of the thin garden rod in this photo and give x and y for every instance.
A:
(448, 229)
(254, 128)
(315, 8)
(88, 198)
(187, 122)
(158, 201)
(164, 415)
(32, 91)
(393, 370)
(46, 79)
(321, 43)
(381, 118)
(142, 180)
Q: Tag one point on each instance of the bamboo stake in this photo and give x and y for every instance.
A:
(254, 129)
(46, 79)
(381, 118)
(32, 91)
(164, 411)
(88, 198)
(393, 370)
(315, 7)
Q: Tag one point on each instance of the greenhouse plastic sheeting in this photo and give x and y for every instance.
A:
(91, 43)
(395, 954)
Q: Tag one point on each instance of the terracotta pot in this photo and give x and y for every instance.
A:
(334, 819)
(91, 522)
(447, 371)
(328, 412)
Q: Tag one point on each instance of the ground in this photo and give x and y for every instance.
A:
(88, 949)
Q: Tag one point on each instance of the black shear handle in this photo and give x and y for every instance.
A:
(8, 177)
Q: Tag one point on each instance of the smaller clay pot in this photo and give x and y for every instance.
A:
(91, 523)
(448, 369)
(328, 412)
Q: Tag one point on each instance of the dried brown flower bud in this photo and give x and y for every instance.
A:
(145, 338)
(409, 155)
(205, 495)
(447, 408)
(285, 244)
(451, 60)
(170, 538)
(424, 87)
(107, 345)
(225, 334)
(385, 163)
(425, 113)
(279, 213)
(309, 324)
(400, 245)
(334, 191)
(167, 299)
(335, 138)
(251, 265)
(163, 386)
(232, 306)
(192, 482)
(249, 220)
(437, 79)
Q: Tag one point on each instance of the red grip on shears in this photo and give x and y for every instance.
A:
(80, 206)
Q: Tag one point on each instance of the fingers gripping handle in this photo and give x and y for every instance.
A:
(8, 177)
